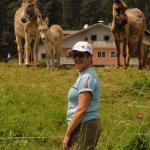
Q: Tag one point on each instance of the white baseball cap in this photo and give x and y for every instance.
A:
(82, 46)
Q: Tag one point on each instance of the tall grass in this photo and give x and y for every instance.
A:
(33, 104)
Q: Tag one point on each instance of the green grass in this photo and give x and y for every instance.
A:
(33, 103)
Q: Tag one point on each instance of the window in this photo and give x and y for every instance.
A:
(86, 39)
(43, 55)
(113, 54)
(106, 38)
(101, 54)
(93, 37)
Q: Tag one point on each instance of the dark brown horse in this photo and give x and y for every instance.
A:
(128, 26)
(25, 25)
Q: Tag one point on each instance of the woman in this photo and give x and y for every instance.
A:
(84, 126)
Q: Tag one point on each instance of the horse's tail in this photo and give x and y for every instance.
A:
(147, 32)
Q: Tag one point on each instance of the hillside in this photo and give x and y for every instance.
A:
(33, 105)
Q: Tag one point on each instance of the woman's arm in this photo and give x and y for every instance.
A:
(83, 102)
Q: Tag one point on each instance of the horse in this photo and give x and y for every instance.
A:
(128, 26)
(52, 38)
(25, 26)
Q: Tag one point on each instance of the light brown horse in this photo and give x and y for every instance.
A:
(52, 38)
(25, 25)
(128, 26)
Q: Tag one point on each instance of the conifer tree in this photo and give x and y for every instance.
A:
(71, 14)
(3, 30)
(106, 13)
(90, 11)
(53, 10)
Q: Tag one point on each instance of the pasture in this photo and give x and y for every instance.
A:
(33, 105)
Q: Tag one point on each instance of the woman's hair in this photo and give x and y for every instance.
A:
(88, 54)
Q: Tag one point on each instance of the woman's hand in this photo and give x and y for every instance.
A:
(65, 142)
(83, 101)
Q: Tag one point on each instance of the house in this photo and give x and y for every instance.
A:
(70, 32)
(101, 39)
(42, 53)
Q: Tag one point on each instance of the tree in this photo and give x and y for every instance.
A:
(11, 44)
(3, 29)
(71, 14)
(90, 11)
(53, 10)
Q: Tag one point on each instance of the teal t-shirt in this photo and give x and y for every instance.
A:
(87, 81)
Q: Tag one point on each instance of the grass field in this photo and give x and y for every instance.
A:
(33, 104)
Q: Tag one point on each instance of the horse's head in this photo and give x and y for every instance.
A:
(119, 15)
(29, 11)
(43, 28)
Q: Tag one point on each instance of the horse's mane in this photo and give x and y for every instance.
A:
(36, 4)
(29, 1)
(38, 12)
(121, 3)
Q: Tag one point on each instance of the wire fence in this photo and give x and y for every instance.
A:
(52, 137)
(21, 138)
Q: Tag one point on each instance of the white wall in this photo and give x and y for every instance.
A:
(41, 50)
(99, 30)
(63, 60)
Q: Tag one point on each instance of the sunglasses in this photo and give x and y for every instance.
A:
(75, 54)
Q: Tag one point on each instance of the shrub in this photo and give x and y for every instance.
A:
(139, 87)
(42, 63)
(138, 142)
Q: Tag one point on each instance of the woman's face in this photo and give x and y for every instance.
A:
(82, 60)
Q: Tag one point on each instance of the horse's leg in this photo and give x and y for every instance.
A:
(48, 58)
(58, 50)
(125, 52)
(20, 48)
(129, 53)
(53, 55)
(141, 52)
(35, 51)
(27, 49)
(118, 52)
